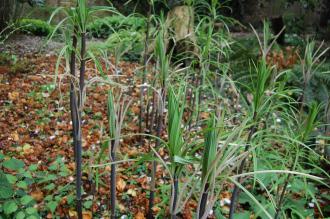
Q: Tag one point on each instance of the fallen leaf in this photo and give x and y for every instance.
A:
(131, 192)
(13, 95)
(121, 207)
(15, 136)
(121, 184)
(37, 195)
(72, 213)
(87, 215)
(139, 215)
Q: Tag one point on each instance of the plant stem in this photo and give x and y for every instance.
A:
(153, 168)
(113, 181)
(79, 140)
(234, 197)
(82, 67)
(144, 76)
(203, 201)
(73, 97)
(152, 190)
(280, 202)
(175, 197)
(79, 176)
(286, 183)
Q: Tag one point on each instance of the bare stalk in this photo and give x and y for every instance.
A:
(153, 168)
(113, 181)
(175, 195)
(79, 140)
(144, 76)
(73, 97)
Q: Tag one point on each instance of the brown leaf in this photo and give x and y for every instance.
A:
(121, 184)
(37, 195)
(87, 215)
(13, 95)
(139, 215)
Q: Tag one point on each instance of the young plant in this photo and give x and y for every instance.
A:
(176, 144)
(145, 62)
(76, 20)
(117, 108)
(301, 136)
(310, 64)
(210, 150)
(161, 82)
(260, 104)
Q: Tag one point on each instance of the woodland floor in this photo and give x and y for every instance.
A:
(35, 126)
(35, 123)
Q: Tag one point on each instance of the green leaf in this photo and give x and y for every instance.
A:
(31, 210)
(20, 215)
(13, 164)
(52, 167)
(33, 167)
(182, 160)
(50, 186)
(27, 174)
(11, 178)
(2, 156)
(6, 189)
(22, 185)
(26, 199)
(88, 204)
(9, 207)
(52, 206)
(242, 215)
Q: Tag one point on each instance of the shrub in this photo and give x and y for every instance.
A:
(128, 43)
(104, 27)
(35, 27)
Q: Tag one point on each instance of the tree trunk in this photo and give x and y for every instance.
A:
(7, 7)
(180, 36)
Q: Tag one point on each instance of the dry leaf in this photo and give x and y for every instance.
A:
(121, 207)
(87, 215)
(15, 136)
(139, 215)
(131, 192)
(121, 184)
(13, 95)
(37, 195)
(72, 213)
(204, 115)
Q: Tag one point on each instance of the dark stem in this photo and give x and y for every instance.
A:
(203, 203)
(73, 97)
(113, 182)
(234, 197)
(79, 140)
(152, 190)
(75, 126)
(280, 202)
(153, 168)
(144, 76)
(82, 66)
(175, 197)
(79, 180)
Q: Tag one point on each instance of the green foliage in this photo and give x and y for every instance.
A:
(35, 27)
(15, 186)
(14, 189)
(176, 143)
(211, 138)
(123, 44)
(105, 27)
